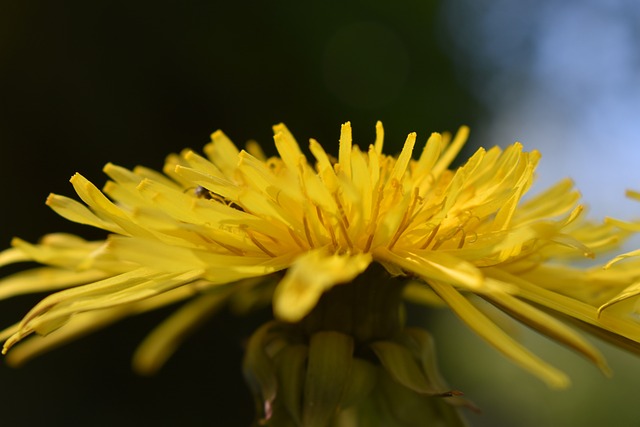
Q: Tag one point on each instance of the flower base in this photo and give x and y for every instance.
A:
(350, 362)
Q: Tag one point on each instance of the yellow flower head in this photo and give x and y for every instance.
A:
(210, 229)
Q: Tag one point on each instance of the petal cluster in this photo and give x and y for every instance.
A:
(212, 227)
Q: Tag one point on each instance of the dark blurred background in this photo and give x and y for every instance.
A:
(84, 83)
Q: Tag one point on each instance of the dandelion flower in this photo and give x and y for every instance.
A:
(213, 230)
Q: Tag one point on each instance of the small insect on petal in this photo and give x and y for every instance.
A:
(203, 193)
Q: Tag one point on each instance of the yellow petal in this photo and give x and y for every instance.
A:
(162, 342)
(498, 338)
(222, 152)
(547, 325)
(154, 254)
(325, 169)
(377, 145)
(103, 287)
(630, 291)
(344, 153)
(288, 147)
(571, 307)
(77, 212)
(402, 162)
(82, 324)
(310, 276)
(45, 279)
(623, 256)
(430, 154)
(432, 265)
(452, 151)
(69, 257)
(12, 256)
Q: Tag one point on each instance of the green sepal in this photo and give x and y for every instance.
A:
(362, 379)
(403, 367)
(280, 418)
(451, 414)
(259, 370)
(291, 368)
(406, 407)
(422, 345)
(329, 365)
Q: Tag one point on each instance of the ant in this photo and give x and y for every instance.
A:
(204, 193)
